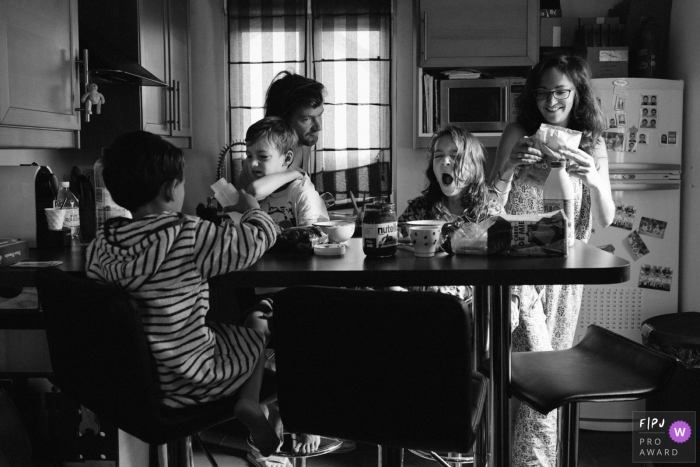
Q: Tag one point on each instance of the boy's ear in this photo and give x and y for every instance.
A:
(168, 190)
(288, 158)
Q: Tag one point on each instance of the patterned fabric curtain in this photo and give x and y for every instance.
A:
(350, 53)
(265, 37)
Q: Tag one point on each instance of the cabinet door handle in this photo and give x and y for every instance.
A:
(425, 36)
(179, 114)
(172, 121)
(86, 73)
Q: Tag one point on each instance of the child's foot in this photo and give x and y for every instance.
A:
(263, 434)
(306, 444)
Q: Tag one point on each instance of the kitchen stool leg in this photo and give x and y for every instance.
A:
(499, 349)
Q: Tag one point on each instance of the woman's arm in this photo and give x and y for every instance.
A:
(265, 186)
(583, 166)
(514, 149)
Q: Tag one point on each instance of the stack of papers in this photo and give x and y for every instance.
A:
(463, 73)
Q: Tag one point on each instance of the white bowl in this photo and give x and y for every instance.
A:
(337, 231)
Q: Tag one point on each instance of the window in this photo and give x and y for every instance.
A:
(344, 45)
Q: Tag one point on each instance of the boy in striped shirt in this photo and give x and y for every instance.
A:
(163, 259)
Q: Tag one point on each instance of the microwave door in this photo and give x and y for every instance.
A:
(476, 105)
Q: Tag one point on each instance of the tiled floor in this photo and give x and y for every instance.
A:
(597, 449)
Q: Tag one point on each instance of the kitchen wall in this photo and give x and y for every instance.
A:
(683, 64)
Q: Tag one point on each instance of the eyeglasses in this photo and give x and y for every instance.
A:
(559, 94)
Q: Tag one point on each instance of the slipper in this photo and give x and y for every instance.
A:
(256, 460)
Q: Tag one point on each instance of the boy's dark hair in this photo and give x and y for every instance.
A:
(137, 164)
(277, 131)
(290, 92)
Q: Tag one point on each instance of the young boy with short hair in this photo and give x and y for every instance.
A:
(286, 194)
(290, 198)
(163, 259)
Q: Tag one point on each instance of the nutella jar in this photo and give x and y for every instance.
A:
(379, 230)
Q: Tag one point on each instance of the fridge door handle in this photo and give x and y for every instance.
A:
(646, 185)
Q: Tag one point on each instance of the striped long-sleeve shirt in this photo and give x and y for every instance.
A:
(163, 261)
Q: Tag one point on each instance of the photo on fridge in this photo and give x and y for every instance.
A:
(614, 141)
(624, 216)
(655, 277)
(636, 245)
(652, 227)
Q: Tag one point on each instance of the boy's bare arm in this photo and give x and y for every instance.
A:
(265, 186)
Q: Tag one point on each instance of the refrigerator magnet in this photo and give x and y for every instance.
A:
(621, 119)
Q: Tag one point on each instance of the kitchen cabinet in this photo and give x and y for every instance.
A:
(479, 33)
(39, 74)
(165, 52)
(155, 35)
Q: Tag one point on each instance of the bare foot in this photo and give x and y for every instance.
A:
(264, 436)
(306, 444)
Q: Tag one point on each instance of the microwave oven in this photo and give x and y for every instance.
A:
(479, 105)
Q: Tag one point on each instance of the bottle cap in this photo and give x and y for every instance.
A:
(219, 185)
(65, 184)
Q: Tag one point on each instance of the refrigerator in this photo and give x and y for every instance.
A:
(644, 140)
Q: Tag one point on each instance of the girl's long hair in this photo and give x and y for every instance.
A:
(586, 114)
(469, 171)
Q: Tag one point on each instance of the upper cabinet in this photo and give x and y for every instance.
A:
(154, 34)
(165, 51)
(478, 33)
(39, 74)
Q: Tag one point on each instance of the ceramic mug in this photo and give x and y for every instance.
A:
(424, 240)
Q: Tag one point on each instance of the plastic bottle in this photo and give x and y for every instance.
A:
(65, 199)
(380, 234)
(105, 207)
(558, 193)
(227, 195)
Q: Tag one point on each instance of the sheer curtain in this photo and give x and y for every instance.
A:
(346, 45)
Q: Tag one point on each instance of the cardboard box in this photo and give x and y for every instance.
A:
(12, 250)
(607, 62)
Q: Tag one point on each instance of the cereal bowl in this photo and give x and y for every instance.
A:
(337, 231)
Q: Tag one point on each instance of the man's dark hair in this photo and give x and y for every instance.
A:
(137, 164)
(290, 92)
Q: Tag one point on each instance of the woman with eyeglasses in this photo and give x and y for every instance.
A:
(558, 92)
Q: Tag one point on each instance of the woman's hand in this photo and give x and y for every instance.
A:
(523, 154)
(582, 166)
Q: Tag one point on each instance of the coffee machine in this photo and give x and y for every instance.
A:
(25, 191)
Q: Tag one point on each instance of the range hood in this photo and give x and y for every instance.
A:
(112, 64)
(124, 73)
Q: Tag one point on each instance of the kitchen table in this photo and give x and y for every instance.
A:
(492, 277)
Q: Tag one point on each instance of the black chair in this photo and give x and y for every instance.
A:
(380, 367)
(602, 367)
(101, 359)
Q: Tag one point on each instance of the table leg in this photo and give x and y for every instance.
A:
(499, 333)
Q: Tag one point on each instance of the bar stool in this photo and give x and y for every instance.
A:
(101, 358)
(602, 367)
(386, 368)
